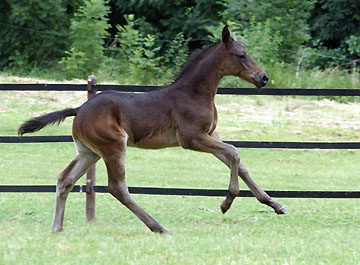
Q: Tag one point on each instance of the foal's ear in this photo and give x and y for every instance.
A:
(226, 34)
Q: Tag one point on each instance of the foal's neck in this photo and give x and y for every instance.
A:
(203, 77)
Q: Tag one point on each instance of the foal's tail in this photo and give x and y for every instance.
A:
(37, 123)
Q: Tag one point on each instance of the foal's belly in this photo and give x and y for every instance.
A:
(166, 139)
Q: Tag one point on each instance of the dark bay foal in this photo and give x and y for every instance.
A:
(181, 114)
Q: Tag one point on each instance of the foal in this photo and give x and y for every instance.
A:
(181, 114)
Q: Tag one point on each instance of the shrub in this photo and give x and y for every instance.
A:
(88, 27)
(287, 17)
(134, 55)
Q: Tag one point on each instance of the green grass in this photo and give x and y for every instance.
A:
(317, 231)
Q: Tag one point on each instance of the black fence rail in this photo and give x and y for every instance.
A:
(221, 90)
(239, 144)
(186, 192)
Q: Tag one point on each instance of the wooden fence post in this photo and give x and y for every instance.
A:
(90, 175)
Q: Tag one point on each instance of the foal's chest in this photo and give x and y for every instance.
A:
(214, 121)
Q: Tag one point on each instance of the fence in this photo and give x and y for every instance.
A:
(91, 189)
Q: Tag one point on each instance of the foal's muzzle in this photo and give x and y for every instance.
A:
(260, 79)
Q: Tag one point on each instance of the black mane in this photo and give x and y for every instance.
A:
(195, 57)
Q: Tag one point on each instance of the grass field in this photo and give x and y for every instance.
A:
(317, 231)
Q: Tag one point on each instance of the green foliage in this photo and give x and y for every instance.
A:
(168, 18)
(176, 53)
(154, 41)
(33, 34)
(134, 57)
(335, 25)
(135, 53)
(258, 38)
(88, 27)
(263, 42)
(354, 45)
(333, 21)
(320, 57)
(143, 64)
(287, 17)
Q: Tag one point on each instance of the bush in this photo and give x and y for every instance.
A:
(176, 54)
(353, 43)
(88, 27)
(286, 17)
(136, 54)
(135, 58)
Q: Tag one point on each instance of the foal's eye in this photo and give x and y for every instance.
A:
(241, 56)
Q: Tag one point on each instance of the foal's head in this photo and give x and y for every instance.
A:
(238, 61)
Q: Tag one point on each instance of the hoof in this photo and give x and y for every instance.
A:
(165, 233)
(282, 210)
(224, 207)
(162, 231)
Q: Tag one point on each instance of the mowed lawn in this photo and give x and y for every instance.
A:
(316, 231)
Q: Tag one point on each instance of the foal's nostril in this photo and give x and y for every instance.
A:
(261, 79)
(265, 78)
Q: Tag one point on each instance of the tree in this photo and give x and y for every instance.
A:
(335, 24)
(33, 34)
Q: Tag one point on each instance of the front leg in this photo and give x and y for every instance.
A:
(208, 144)
(256, 190)
(259, 193)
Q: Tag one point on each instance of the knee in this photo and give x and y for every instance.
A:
(233, 155)
(122, 194)
(63, 188)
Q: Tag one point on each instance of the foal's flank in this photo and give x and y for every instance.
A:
(181, 114)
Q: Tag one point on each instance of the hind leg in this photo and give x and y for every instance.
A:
(114, 157)
(67, 179)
